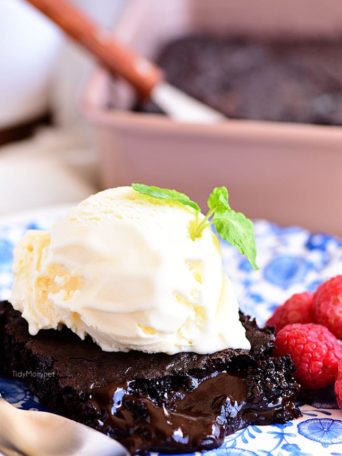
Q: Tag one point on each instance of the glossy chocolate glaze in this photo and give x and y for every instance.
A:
(184, 420)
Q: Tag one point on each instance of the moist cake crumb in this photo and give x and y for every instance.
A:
(180, 403)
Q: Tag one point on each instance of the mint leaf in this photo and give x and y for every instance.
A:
(218, 199)
(233, 227)
(237, 229)
(166, 194)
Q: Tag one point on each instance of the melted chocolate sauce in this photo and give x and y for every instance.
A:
(184, 421)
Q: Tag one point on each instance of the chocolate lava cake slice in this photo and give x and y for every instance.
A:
(178, 403)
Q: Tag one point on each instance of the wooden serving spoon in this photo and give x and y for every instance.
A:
(147, 78)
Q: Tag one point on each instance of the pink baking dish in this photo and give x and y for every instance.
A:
(287, 173)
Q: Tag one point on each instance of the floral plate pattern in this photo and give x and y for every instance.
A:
(291, 259)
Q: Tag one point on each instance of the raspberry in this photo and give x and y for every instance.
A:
(338, 385)
(296, 309)
(314, 351)
(327, 305)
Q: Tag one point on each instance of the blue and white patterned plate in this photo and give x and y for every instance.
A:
(291, 260)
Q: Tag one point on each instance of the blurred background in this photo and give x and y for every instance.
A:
(68, 129)
(46, 150)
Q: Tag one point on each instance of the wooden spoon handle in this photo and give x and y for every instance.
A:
(116, 57)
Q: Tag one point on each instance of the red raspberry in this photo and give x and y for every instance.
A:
(296, 309)
(327, 305)
(338, 385)
(314, 351)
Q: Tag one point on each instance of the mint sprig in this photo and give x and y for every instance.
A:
(233, 227)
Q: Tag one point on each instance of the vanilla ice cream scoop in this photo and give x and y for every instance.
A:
(123, 269)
